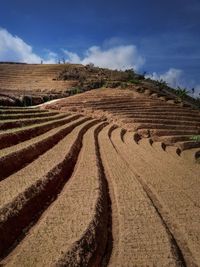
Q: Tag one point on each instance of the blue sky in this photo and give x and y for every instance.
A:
(160, 37)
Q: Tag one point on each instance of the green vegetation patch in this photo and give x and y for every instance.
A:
(75, 90)
(195, 138)
(134, 81)
(181, 92)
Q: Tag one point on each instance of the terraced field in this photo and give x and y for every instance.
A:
(31, 78)
(82, 187)
(147, 114)
(33, 84)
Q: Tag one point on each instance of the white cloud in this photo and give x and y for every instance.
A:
(197, 90)
(72, 57)
(173, 77)
(112, 55)
(118, 57)
(50, 57)
(13, 48)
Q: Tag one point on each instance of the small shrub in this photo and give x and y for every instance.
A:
(134, 81)
(75, 90)
(181, 92)
(27, 100)
(161, 84)
(130, 74)
(46, 98)
(90, 66)
(123, 85)
(140, 90)
(197, 102)
(195, 138)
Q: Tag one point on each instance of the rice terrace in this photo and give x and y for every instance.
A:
(98, 168)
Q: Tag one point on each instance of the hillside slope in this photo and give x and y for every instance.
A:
(32, 84)
(82, 191)
(29, 78)
(37, 81)
(146, 115)
(107, 177)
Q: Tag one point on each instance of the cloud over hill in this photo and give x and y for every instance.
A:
(173, 76)
(13, 48)
(113, 56)
(117, 57)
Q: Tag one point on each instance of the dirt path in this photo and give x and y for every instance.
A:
(12, 137)
(26, 192)
(167, 184)
(83, 199)
(87, 190)
(139, 235)
(16, 157)
(148, 115)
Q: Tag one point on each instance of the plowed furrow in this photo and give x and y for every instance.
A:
(28, 115)
(124, 104)
(153, 113)
(137, 109)
(5, 125)
(14, 108)
(163, 126)
(58, 237)
(127, 156)
(37, 185)
(139, 235)
(14, 137)
(157, 109)
(172, 139)
(14, 158)
(187, 145)
(121, 104)
(163, 132)
(172, 188)
(168, 115)
(137, 102)
(21, 111)
(164, 121)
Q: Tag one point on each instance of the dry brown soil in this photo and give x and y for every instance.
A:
(111, 180)
(31, 79)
